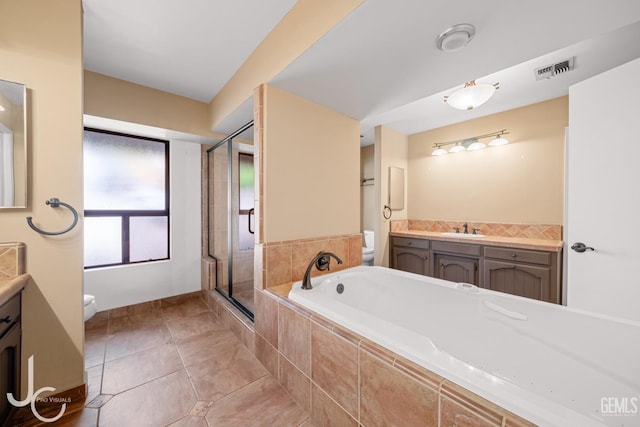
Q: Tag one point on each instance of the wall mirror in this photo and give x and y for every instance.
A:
(13, 145)
(396, 188)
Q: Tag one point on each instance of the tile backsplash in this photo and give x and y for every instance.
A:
(526, 231)
(12, 259)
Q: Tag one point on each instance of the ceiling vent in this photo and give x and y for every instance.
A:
(552, 70)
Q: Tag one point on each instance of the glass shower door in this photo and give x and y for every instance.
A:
(243, 226)
(218, 192)
(231, 219)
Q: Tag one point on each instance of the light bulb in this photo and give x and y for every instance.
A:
(439, 151)
(476, 146)
(457, 148)
(499, 140)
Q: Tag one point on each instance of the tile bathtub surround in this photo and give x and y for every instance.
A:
(235, 321)
(12, 259)
(284, 262)
(525, 231)
(342, 378)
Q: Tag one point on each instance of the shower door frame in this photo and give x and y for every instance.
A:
(227, 140)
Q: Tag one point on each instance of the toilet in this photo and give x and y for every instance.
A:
(367, 249)
(90, 307)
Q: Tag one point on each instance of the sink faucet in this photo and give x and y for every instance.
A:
(321, 261)
(466, 230)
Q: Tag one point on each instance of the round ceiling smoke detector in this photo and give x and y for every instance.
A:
(456, 37)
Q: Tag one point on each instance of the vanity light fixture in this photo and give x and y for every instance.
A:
(472, 95)
(439, 151)
(457, 148)
(471, 144)
(498, 141)
(477, 145)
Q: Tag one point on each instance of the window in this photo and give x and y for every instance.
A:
(126, 198)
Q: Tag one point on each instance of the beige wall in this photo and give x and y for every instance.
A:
(522, 182)
(300, 28)
(310, 169)
(390, 150)
(42, 48)
(367, 191)
(120, 100)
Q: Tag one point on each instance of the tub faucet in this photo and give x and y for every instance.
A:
(466, 229)
(321, 261)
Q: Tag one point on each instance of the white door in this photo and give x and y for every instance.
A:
(603, 193)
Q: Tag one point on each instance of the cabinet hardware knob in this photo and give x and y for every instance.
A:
(7, 319)
(514, 255)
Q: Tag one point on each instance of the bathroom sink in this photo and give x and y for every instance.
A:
(463, 235)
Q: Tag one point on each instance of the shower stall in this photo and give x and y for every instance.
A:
(231, 219)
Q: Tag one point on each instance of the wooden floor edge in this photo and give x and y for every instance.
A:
(49, 407)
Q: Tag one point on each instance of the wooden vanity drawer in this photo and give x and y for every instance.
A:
(410, 242)
(456, 248)
(9, 314)
(518, 255)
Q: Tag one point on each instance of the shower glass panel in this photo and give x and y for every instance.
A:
(218, 160)
(231, 219)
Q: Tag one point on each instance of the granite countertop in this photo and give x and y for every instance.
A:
(10, 287)
(511, 242)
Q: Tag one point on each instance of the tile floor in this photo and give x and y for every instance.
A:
(177, 365)
(243, 293)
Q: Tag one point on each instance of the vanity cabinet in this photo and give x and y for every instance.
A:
(456, 262)
(526, 273)
(410, 255)
(10, 337)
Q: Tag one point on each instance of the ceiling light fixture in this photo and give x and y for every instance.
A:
(472, 95)
(471, 144)
(1, 107)
(456, 37)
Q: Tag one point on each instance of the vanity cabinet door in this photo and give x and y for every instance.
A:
(413, 260)
(10, 337)
(456, 269)
(411, 255)
(519, 279)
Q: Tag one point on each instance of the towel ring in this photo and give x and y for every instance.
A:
(384, 212)
(55, 203)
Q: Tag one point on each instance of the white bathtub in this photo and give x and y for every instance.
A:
(552, 365)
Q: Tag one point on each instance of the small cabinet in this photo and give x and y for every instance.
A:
(456, 269)
(10, 338)
(526, 273)
(410, 255)
(456, 262)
